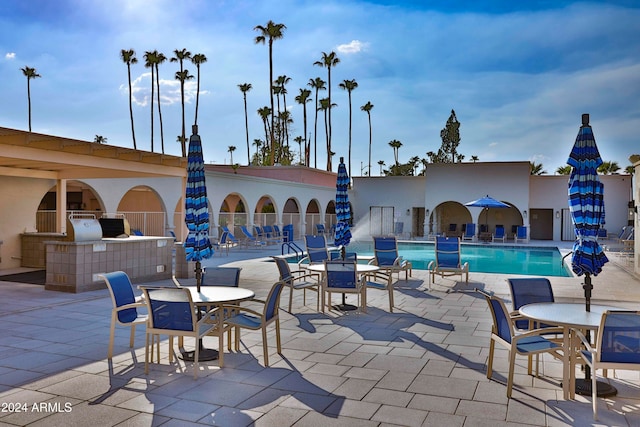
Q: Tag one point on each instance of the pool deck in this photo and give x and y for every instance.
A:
(422, 365)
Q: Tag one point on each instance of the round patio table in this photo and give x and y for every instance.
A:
(214, 296)
(570, 316)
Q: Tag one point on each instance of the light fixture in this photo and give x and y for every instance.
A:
(557, 214)
(524, 214)
(408, 212)
(426, 212)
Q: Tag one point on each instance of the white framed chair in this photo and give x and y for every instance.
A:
(125, 306)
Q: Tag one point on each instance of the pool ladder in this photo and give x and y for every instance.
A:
(291, 246)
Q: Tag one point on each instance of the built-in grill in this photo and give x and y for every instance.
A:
(115, 227)
(83, 228)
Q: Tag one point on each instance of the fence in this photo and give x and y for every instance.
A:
(149, 223)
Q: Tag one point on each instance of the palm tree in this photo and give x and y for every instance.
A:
(608, 168)
(231, 149)
(29, 73)
(367, 109)
(328, 60)
(244, 88)
(160, 58)
(380, 163)
(183, 76)
(564, 170)
(324, 107)
(197, 59)
(270, 32)
(258, 144)
(537, 168)
(395, 144)
(100, 139)
(149, 62)
(181, 56)
(282, 81)
(302, 99)
(265, 113)
(129, 57)
(299, 140)
(474, 159)
(317, 84)
(349, 85)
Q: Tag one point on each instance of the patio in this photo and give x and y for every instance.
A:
(424, 364)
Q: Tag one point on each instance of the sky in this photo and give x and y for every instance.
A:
(519, 74)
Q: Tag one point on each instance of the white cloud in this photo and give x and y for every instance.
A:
(10, 55)
(354, 46)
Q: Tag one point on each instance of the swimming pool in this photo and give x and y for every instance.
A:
(528, 260)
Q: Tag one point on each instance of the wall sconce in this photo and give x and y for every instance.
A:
(426, 212)
(408, 212)
(557, 214)
(524, 214)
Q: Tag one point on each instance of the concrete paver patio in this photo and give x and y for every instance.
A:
(422, 365)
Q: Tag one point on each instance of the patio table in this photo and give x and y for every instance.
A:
(214, 296)
(569, 316)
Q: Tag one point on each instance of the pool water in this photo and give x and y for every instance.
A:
(526, 260)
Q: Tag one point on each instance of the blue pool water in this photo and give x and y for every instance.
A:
(538, 261)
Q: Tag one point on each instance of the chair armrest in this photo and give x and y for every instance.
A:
(431, 265)
(238, 308)
(300, 274)
(584, 340)
(542, 331)
(132, 305)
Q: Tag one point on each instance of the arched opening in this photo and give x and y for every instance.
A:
(313, 216)
(144, 210)
(291, 217)
(265, 212)
(81, 198)
(233, 213)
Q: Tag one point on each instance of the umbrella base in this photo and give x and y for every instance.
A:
(583, 388)
(205, 355)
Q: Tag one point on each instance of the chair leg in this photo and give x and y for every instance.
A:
(490, 361)
(237, 338)
(278, 341)
(220, 346)
(146, 354)
(594, 394)
(195, 359)
(111, 336)
(512, 363)
(265, 351)
(290, 297)
(132, 335)
(390, 299)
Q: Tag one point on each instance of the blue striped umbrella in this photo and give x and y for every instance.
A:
(197, 245)
(586, 204)
(343, 209)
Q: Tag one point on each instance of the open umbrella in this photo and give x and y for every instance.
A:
(343, 217)
(197, 245)
(586, 204)
(487, 202)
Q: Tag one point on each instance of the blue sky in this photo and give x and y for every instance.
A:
(518, 74)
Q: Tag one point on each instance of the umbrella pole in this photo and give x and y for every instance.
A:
(198, 271)
(588, 287)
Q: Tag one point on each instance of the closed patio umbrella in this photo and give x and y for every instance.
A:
(586, 203)
(343, 217)
(197, 245)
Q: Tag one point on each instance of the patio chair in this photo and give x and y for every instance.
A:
(502, 332)
(320, 230)
(230, 237)
(221, 243)
(125, 306)
(298, 279)
(624, 234)
(317, 251)
(250, 239)
(270, 235)
(470, 232)
(453, 230)
(385, 251)
(448, 261)
(521, 235)
(245, 317)
(498, 234)
(617, 346)
(383, 282)
(173, 313)
(341, 276)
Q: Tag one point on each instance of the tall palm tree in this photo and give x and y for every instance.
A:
(349, 85)
(302, 99)
(367, 109)
(183, 76)
(381, 164)
(265, 113)
(325, 106)
(258, 143)
(299, 140)
(282, 82)
(129, 57)
(244, 88)
(395, 144)
(181, 56)
(317, 84)
(270, 32)
(231, 149)
(29, 73)
(160, 58)
(328, 60)
(149, 62)
(197, 59)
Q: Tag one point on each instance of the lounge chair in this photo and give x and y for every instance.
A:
(230, 237)
(387, 258)
(452, 231)
(221, 243)
(447, 262)
(320, 230)
(317, 251)
(470, 232)
(623, 233)
(498, 234)
(250, 239)
(521, 235)
(270, 236)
